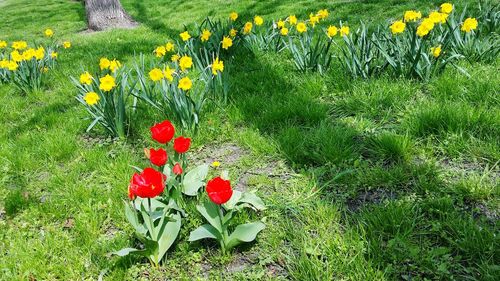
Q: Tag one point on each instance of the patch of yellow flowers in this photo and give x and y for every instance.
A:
(427, 24)
(21, 52)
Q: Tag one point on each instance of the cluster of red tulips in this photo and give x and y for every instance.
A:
(151, 183)
(156, 207)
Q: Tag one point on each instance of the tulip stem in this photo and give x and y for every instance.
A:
(224, 230)
(153, 235)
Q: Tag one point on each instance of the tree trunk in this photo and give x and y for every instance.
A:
(103, 14)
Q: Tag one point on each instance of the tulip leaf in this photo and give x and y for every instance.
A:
(253, 200)
(126, 251)
(210, 212)
(169, 234)
(203, 232)
(194, 179)
(245, 233)
(235, 198)
(239, 199)
(134, 220)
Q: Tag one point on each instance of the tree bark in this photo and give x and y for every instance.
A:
(104, 14)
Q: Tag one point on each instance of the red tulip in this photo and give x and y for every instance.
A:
(182, 144)
(177, 169)
(158, 157)
(163, 132)
(219, 190)
(148, 184)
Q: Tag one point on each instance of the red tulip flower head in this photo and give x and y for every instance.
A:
(219, 190)
(158, 157)
(163, 132)
(182, 144)
(177, 169)
(148, 184)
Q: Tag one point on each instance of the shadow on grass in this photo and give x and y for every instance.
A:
(401, 231)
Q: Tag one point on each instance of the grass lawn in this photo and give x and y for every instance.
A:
(377, 179)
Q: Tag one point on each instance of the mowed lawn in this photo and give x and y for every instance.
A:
(377, 179)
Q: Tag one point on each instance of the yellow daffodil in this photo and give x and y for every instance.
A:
(437, 17)
(233, 32)
(85, 78)
(215, 164)
(436, 51)
(39, 53)
(284, 31)
(3, 44)
(217, 65)
(107, 83)
(205, 35)
(114, 65)
(45, 69)
(91, 98)
(280, 24)
(28, 54)
(185, 84)
(175, 58)
(169, 47)
(49, 32)
(12, 65)
(332, 31)
(344, 30)
(160, 51)
(227, 42)
(66, 44)
(301, 27)
(54, 55)
(16, 56)
(156, 74)
(313, 20)
(168, 73)
(104, 63)
(292, 20)
(258, 20)
(247, 28)
(323, 14)
(425, 27)
(19, 45)
(398, 27)
(469, 25)
(446, 8)
(412, 16)
(233, 16)
(3, 63)
(185, 62)
(185, 36)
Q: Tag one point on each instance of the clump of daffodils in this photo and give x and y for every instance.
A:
(24, 65)
(106, 95)
(417, 45)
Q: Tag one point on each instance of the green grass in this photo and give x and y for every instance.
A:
(364, 180)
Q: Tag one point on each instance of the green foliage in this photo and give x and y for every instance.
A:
(156, 225)
(219, 221)
(311, 52)
(360, 56)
